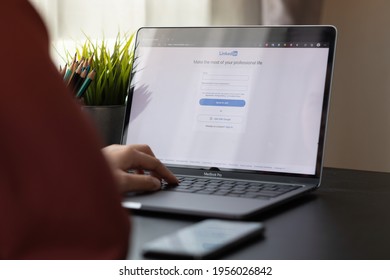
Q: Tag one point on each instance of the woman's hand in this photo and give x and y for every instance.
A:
(138, 158)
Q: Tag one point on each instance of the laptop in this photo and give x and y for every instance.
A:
(238, 114)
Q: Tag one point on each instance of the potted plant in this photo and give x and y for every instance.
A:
(105, 99)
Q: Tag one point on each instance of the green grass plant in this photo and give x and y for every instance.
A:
(112, 65)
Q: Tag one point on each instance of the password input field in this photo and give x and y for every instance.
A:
(223, 86)
(224, 82)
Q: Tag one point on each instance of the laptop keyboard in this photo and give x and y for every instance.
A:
(229, 188)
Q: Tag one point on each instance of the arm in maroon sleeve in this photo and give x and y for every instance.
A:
(58, 199)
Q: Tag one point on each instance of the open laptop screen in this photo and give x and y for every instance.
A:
(243, 99)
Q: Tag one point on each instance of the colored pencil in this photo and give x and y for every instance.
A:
(85, 85)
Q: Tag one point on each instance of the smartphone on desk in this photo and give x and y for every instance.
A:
(204, 240)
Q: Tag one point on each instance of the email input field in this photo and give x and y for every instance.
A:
(224, 82)
(224, 77)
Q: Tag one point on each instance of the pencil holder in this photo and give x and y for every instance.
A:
(108, 121)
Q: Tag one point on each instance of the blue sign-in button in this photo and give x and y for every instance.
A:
(222, 102)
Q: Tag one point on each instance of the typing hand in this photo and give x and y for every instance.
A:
(138, 158)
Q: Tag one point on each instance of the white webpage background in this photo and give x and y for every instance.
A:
(277, 129)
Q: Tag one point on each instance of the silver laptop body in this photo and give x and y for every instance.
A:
(241, 105)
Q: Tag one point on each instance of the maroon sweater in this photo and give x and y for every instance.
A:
(58, 199)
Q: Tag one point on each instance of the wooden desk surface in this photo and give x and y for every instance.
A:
(348, 217)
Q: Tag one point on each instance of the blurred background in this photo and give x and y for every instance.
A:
(359, 128)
